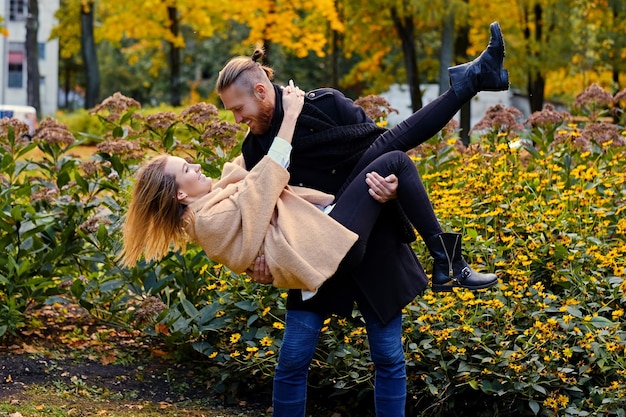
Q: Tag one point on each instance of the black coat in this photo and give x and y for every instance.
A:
(331, 134)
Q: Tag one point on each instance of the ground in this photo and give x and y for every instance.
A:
(73, 363)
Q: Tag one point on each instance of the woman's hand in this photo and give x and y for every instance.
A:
(293, 100)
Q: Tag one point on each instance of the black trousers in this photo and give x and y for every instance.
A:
(358, 211)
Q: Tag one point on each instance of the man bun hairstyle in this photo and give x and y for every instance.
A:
(245, 72)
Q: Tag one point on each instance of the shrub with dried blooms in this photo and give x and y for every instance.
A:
(92, 224)
(500, 119)
(20, 129)
(149, 309)
(45, 194)
(547, 118)
(605, 134)
(199, 115)
(90, 168)
(221, 133)
(376, 107)
(577, 141)
(593, 102)
(113, 107)
(160, 121)
(53, 132)
(619, 106)
(125, 149)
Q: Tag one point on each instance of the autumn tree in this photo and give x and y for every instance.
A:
(612, 37)
(401, 41)
(68, 31)
(300, 26)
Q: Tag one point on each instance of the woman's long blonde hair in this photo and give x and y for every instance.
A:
(154, 219)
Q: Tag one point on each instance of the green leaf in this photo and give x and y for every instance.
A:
(247, 305)
(534, 407)
(599, 321)
(189, 308)
(539, 389)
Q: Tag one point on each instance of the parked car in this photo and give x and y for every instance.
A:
(27, 114)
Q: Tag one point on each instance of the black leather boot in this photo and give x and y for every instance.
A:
(485, 73)
(450, 269)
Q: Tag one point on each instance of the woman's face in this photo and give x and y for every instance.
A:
(192, 183)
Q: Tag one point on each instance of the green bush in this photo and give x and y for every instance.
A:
(542, 203)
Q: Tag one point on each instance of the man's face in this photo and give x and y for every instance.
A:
(255, 110)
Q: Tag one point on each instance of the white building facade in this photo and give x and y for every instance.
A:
(13, 70)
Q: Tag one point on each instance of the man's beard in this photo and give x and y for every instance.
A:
(261, 123)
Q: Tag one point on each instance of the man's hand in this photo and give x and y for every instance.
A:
(382, 189)
(260, 272)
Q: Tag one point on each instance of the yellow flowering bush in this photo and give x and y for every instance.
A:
(542, 202)
(547, 216)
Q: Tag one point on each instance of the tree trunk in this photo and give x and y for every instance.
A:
(406, 30)
(90, 58)
(536, 81)
(447, 52)
(536, 90)
(334, 54)
(461, 45)
(32, 57)
(175, 96)
(334, 59)
(67, 86)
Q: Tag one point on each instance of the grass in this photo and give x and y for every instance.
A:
(40, 401)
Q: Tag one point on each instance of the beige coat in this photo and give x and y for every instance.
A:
(249, 213)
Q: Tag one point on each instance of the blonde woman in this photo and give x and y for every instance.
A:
(305, 235)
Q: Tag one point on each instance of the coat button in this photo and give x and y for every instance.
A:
(334, 171)
(311, 94)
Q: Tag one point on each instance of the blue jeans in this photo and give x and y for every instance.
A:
(302, 330)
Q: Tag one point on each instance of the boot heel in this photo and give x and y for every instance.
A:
(443, 287)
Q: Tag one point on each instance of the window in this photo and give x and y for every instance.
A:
(17, 57)
(18, 10)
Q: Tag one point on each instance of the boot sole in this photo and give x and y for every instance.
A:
(451, 285)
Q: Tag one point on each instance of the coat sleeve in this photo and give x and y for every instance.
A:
(230, 223)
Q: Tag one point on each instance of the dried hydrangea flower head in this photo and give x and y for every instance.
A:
(376, 107)
(112, 108)
(52, 132)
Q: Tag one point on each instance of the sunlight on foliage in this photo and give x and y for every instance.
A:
(541, 201)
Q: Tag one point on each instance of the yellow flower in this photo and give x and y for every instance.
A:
(234, 338)
(278, 325)
(562, 400)
(235, 354)
(266, 341)
(212, 355)
(551, 403)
